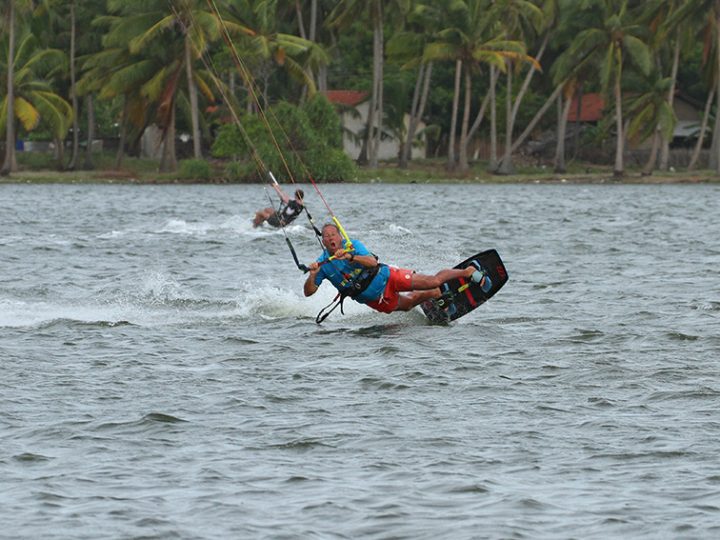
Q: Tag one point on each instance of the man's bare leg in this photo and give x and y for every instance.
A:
(262, 216)
(407, 301)
(422, 282)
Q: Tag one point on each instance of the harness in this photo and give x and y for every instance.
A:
(286, 214)
(291, 210)
(357, 286)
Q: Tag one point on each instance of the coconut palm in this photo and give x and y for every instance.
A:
(407, 48)
(652, 116)
(377, 11)
(614, 41)
(31, 98)
(709, 12)
(259, 48)
(311, 16)
(9, 22)
(522, 20)
(114, 73)
(471, 40)
(666, 40)
(189, 27)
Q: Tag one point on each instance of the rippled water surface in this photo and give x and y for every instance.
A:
(163, 376)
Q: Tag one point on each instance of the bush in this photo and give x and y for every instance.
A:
(236, 171)
(194, 169)
(324, 120)
(331, 165)
(304, 152)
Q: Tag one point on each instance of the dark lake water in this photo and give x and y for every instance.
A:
(163, 376)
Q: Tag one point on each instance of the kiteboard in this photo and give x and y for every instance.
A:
(461, 296)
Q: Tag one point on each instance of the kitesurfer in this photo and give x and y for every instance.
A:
(356, 273)
(286, 214)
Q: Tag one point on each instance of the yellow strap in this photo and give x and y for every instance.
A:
(349, 246)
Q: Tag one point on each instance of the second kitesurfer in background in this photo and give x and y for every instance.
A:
(286, 214)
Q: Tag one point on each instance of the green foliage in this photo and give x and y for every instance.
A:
(195, 169)
(305, 151)
(324, 120)
(331, 164)
(236, 171)
(36, 160)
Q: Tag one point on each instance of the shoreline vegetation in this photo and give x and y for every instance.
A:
(144, 171)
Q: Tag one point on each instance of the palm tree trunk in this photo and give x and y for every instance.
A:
(168, 162)
(493, 119)
(538, 116)
(313, 19)
(562, 131)
(518, 100)
(309, 37)
(665, 148)
(59, 153)
(715, 152)
(192, 90)
(652, 159)
(483, 106)
(123, 133)
(422, 88)
(701, 137)
(618, 170)
(453, 119)
(299, 15)
(322, 79)
(7, 166)
(506, 166)
(462, 157)
(73, 91)
(576, 131)
(90, 132)
(378, 59)
(373, 105)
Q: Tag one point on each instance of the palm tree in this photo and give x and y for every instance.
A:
(259, 48)
(346, 12)
(472, 39)
(9, 160)
(9, 17)
(709, 11)
(568, 78)
(407, 47)
(313, 28)
(113, 72)
(188, 22)
(666, 39)
(34, 101)
(521, 19)
(609, 45)
(652, 116)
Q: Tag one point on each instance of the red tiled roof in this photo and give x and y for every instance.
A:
(349, 98)
(592, 108)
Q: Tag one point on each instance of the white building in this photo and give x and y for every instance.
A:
(353, 106)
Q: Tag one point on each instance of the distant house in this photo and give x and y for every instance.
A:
(688, 113)
(353, 107)
(591, 108)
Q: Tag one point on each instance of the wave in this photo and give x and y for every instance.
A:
(235, 225)
(160, 300)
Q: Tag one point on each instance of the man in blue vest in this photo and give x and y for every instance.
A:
(357, 273)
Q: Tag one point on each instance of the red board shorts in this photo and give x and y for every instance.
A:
(400, 280)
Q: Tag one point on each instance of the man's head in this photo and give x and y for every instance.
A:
(331, 238)
(299, 194)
